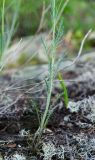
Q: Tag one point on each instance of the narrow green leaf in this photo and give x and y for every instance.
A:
(63, 86)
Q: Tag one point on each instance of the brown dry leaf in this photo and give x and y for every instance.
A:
(12, 145)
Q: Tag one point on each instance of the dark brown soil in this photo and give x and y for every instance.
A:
(73, 130)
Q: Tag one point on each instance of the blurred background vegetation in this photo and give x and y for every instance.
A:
(79, 17)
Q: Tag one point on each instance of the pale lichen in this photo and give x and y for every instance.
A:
(51, 150)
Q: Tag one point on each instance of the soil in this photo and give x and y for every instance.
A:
(72, 128)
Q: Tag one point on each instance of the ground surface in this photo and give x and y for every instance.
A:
(70, 133)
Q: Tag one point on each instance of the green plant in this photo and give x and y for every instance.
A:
(2, 30)
(51, 69)
(7, 29)
(63, 86)
(57, 33)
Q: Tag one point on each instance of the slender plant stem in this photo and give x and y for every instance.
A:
(3, 11)
(2, 28)
(51, 78)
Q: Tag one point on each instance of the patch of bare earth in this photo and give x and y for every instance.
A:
(70, 132)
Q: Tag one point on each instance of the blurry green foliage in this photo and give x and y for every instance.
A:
(78, 16)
